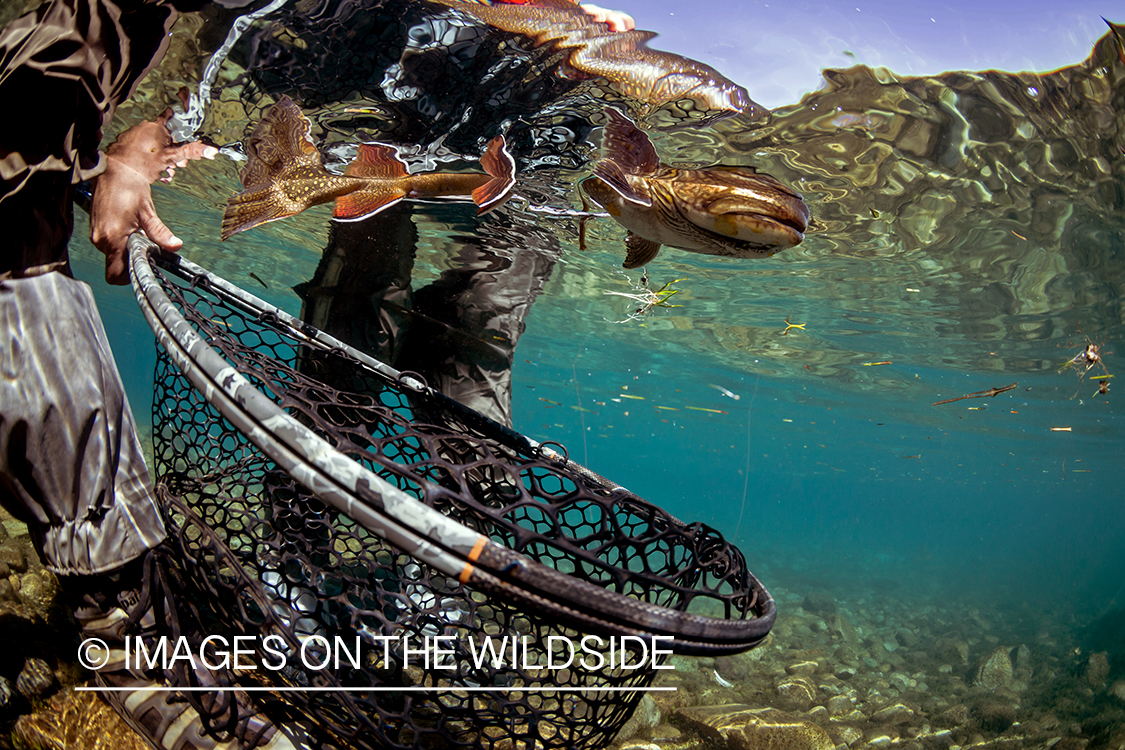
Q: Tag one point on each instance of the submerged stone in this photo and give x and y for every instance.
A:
(740, 727)
(1097, 669)
(994, 671)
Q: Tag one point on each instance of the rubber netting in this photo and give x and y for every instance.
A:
(260, 554)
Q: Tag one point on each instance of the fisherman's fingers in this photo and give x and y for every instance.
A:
(157, 230)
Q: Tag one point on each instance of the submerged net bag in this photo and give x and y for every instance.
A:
(451, 556)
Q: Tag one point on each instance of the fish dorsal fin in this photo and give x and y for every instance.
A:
(376, 160)
(611, 174)
(281, 142)
(501, 167)
(639, 251)
(627, 145)
(363, 203)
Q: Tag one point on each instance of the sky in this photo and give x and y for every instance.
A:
(777, 48)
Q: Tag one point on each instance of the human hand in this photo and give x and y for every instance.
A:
(122, 201)
(617, 20)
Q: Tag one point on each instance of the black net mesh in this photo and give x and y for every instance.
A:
(262, 555)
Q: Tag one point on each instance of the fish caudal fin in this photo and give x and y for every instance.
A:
(251, 207)
(639, 251)
(501, 167)
(280, 147)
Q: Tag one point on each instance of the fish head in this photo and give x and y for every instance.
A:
(738, 207)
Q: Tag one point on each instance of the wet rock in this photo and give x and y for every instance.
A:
(740, 727)
(906, 638)
(7, 593)
(838, 705)
(841, 627)
(1071, 743)
(849, 736)
(1117, 690)
(5, 694)
(12, 554)
(38, 589)
(994, 671)
(796, 693)
(642, 722)
(952, 651)
(993, 716)
(896, 713)
(36, 679)
(1022, 661)
(1097, 669)
(801, 668)
(954, 716)
(5, 571)
(819, 603)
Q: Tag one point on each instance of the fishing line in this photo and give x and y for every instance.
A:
(746, 471)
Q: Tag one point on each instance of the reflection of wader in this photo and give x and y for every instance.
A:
(460, 331)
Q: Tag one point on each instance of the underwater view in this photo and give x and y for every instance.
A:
(860, 316)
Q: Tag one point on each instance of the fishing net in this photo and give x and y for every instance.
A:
(388, 518)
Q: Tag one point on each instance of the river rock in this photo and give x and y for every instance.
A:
(896, 713)
(841, 627)
(1117, 690)
(796, 693)
(952, 651)
(12, 554)
(740, 727)
(954, 716)
(642, 722)
(36, 679)
(993, 716)
(994, 671)
(906, 638)
(5, 693)
(819, 603)
(849, 735)
(838, 705)
(1097, 669)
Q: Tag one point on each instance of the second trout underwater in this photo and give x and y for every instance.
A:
(285, 174)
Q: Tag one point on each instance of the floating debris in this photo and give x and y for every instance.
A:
(719, 679)
(874, 364)
(258, 279)
(549, 401)
(725, 392)
(1060, 429)
(978, 394)
(1085, 360)
(702, 408)
(788, 325)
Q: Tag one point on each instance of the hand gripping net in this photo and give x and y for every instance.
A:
(388, 514)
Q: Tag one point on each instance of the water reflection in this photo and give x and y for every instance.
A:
(967, 220)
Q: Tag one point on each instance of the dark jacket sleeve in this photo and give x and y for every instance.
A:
(64, 68)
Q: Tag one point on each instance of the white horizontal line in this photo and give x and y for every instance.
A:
(413, 689)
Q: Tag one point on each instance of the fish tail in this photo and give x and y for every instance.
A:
(501, 167)
(280, 144)
(253, 206)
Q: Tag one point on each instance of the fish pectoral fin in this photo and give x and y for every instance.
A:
(639, 251)
(501, 167)
(610, 172)
(364, 203)
(378, 161)
(253, 206)
(627, 145)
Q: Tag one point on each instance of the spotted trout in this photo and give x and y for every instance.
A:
(731, 211)
(285, 174)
